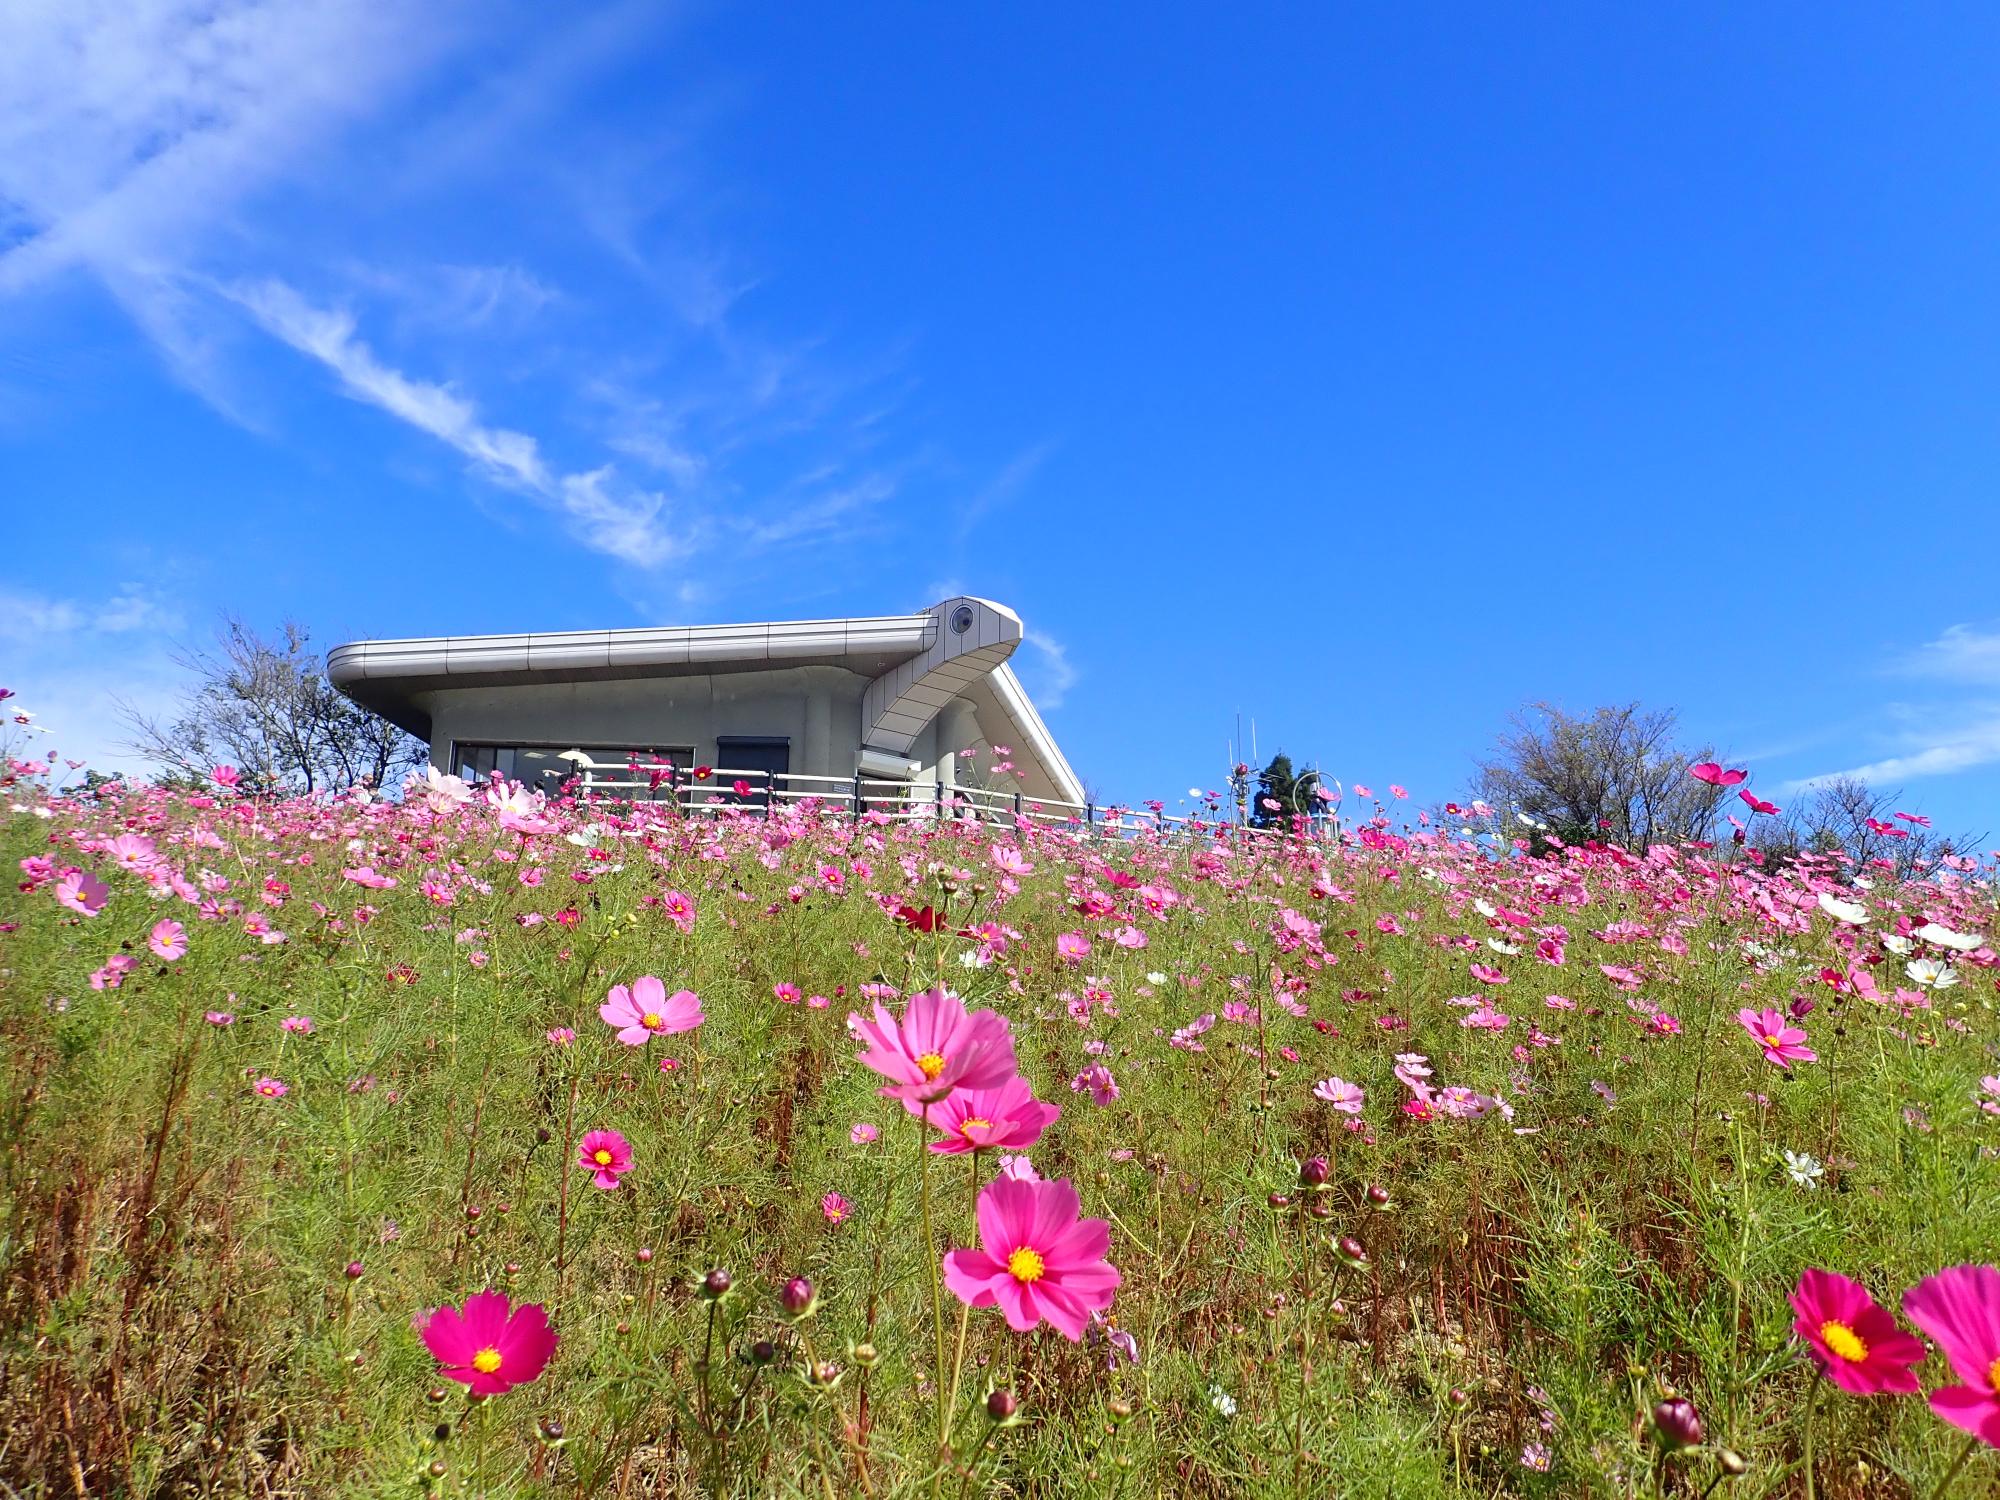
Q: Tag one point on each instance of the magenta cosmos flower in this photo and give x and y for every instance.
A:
(646, 1010)
(491, 1346)
(1854, 1340)
(82, 891)
(977, 1119)
(1038, 1260)
(1960, 1308)
(1783, 1043)
(606, 1155)
(936, 1047)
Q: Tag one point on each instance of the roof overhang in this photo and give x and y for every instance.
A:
(917, 663)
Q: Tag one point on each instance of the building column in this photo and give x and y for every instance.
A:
(816, 755)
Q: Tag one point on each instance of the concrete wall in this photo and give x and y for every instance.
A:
(817, 708)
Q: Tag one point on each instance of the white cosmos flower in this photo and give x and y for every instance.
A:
(1485, 908)
(975, 958)
(1154, 976)
(1499, 947)
(1931, 973)
(1864, 882)
(1222, 1401)
(1944, 937)
(1804, 1169)
(1851, 912)
(1902, 947)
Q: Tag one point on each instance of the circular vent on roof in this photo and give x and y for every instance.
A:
(961, 619)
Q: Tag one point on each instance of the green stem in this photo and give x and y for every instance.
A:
(1812, 1405)
(964, 1308)
(1952, 1473)
(937, 1288)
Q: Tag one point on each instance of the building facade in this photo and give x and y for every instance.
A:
(893, 698)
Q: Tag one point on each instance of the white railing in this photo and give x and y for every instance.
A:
(857, 796)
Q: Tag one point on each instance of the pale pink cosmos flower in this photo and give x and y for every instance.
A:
(645, 1010)
(1072, 947)
(863, 1134)
(297, 1025)
(835, 1209)
(1342, 1095)
(606, 1155)
(1037, 1261)
(978, 1119)
(559, 1036)
(219, 1018)
(271, 1088)
(168, 939)
(934, 1048)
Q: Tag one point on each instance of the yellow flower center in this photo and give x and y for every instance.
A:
(932, 1063)
(971, 1123)
(1025, 1265)
(1993, 1375)
(652, 1021)
(486, 1361)
(1843, 1341)
(602, 1158)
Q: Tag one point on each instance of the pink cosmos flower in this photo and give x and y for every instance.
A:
(491, 1346)
(936, 1047)
(366, 877)
(227, 776)
(863, 1134)
(976, 1119)
(1714, 775)
(82, 891)
(1959, 1308)
(168, 939)
(836, 1210)
(1038, 1261)
(1072, 947)
(646, 1010)
(1783, 1043)
(219, 1018)
(1096, 1081)
(786, 991)
(270, 1088)
(606, 1155)
(297, 1025)
(1854, 1340)
(1342, 1095)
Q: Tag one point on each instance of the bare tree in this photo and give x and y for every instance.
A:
(1615, 773)
(1845, 813)
(266, 707)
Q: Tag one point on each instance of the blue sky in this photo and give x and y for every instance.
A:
(1366, 374)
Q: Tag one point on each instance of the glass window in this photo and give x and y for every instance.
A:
(640, 772)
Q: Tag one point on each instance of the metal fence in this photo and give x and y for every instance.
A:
(854, 796)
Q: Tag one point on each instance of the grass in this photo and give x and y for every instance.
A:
(179, 1316)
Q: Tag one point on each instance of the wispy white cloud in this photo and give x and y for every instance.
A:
(1053, 673)
(606, 515)
(1961, 653)
(75, 662)
(1937, 738)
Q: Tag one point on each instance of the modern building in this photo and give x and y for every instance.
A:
(798, 704)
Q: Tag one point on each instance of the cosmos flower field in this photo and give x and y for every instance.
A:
(468, 1143)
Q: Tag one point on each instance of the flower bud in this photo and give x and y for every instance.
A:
(1458, 1398)
(1001, 1405)
(863, 1355)
(1677, 1423)
(436, 1395)
(1378, 1196)
(763, 1352)
(354, 1269)
(550, 1431)
(1732, 1462)
(1279, 1200)
(1121, 1411)
(1314, 1171)
(644, 1255)
(437, 1468)
(1353, 1254)
(716, 1284)
(798, 1298)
